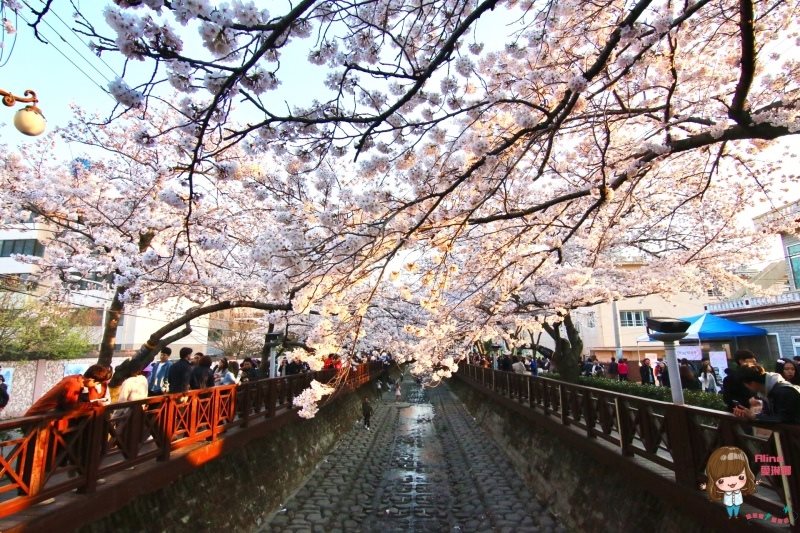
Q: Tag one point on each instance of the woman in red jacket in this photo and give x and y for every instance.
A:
(622, 368)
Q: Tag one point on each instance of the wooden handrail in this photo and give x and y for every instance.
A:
(677, 437)
(46, 455)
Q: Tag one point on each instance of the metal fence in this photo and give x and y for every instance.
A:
(44, 456)
(675, 440)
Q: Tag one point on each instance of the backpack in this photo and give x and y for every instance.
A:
(598, 370)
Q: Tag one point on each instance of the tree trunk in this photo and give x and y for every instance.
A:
(160, 338)
(568, 350)
(112, 318)
(115, 311)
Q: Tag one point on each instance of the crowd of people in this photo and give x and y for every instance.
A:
(748, 389)
(518, 364)
(191, 371)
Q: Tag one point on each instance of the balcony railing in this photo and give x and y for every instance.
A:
(44, 456)
(750, 302)
(781, 212)
(669, 438)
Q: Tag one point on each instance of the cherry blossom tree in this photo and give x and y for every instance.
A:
(475, 165)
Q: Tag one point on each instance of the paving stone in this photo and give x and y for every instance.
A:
(424, 466)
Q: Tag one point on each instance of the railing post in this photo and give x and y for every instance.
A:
(624, 427)
(528, 385)
(562, 404)
(589, 416)
(272, 398)
(35, 469)
(215, 399)
(244, 403)
(135, 425)
(94, 440)
(167, 427)
(684, 458)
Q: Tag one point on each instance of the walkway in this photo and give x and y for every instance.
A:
(424, 466)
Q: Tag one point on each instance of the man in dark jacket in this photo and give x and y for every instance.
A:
(783, 398)
(180, 372)
(646, 373)
(613, 368)
(295, 367)
(733, 390)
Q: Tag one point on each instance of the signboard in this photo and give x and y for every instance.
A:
(70, 369)
(719, 360)
(692, 353)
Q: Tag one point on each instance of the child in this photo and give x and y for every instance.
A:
(366, 409)
(729, 478)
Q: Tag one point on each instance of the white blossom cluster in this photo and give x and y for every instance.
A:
(308, 400)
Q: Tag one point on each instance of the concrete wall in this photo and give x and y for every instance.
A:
(583, 493)
(240, 489)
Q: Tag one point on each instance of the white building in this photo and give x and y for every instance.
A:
(138, 322)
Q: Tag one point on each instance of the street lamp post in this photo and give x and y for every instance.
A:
(29, 120)
(669, 330)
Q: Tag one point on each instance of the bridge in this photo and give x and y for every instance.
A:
(434, 461)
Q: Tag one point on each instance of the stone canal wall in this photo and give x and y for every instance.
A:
(582, 492)
(237, 491)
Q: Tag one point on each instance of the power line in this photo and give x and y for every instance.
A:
(65, 56)
(53, 12)
(46, 23)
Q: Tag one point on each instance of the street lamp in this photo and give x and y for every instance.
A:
(29, 120)
(271, 341)
(669, 330)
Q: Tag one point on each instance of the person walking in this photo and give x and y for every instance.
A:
(366, 410)
(398, 392)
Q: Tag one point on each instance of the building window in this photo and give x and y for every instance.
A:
(713, 293)
(21, 246)
(793, 254)
(628, 319)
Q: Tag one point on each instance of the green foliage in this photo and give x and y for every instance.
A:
(691, 397)
(37, 331)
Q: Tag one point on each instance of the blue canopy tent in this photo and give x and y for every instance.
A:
(715, 329)
(710, 327)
